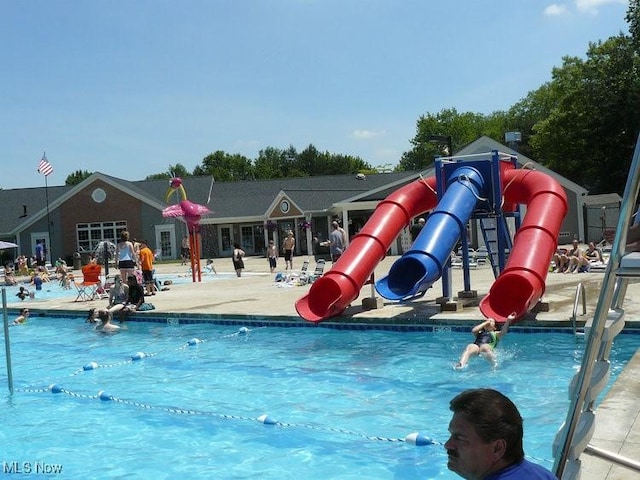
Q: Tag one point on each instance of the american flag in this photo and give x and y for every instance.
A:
(44, 167)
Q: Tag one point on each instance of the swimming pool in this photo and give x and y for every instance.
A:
(344, 400)
(53, 290)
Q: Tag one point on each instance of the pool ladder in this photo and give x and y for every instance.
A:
(572, 440)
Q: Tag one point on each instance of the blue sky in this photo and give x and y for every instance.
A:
(128, 88)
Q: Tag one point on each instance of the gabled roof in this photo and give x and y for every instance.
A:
(251, 199)
(603, 199)
(22, 206)
(485, 144)
(234, 200)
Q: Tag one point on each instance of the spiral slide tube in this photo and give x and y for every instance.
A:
(336, 289)
(522, 282)
(413, 273)
(517, 289)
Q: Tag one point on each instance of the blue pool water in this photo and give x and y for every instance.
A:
(344, 400)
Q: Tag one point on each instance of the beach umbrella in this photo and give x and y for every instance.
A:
(4, 245)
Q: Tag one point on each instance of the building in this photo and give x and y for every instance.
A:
(70, 219)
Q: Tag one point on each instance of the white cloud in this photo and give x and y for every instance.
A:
(585, 7)
(366, 134)
(555, 10)
(591, 6)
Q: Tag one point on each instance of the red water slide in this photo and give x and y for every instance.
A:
(336, 289)
(517, 289)
(522, 282)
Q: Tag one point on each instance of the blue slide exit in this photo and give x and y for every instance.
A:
(414, 273)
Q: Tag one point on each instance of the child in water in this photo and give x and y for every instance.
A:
(22, 293)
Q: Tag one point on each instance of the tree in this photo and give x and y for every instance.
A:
(225, 167)
(177, 170)
(77, 177)
(462, 127)
(275, 163)
(528, 112)
(633, 19)
(589, 134)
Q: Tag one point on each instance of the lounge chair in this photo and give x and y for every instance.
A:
(457, 260)
(317, 273)
(482, 256)
(295, 276)
(90, 286)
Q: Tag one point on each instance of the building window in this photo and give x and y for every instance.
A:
(246, 240)
(89, 235)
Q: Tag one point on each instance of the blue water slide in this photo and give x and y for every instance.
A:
(414, 273)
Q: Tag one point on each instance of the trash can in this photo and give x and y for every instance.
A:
(77, 265)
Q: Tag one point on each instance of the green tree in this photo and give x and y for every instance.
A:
(77, 177)
(177, 170)
(275, 163)
(462, 127)
(590, 132)
(633, 19)
(225, 167)
(311, 162)
(528, 112)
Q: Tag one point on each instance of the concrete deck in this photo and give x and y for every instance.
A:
(256, 295)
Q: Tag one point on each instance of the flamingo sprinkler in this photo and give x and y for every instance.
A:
(191, 213)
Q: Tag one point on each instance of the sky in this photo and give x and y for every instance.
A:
(128, 88)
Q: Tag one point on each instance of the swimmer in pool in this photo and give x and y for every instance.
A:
(487, 338)
(22, 293)
(103, 318)
(22, 318)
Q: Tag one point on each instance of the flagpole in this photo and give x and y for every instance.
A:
(46, 194)
(46, 169)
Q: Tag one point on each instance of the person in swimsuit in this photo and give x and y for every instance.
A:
(575, 256)
(119, 291)
(288, 246)
(487, 338)
(22, 318)
(272, 255)
(236, 258)
(126, 256)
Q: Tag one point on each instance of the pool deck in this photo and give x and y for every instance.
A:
(256, 296)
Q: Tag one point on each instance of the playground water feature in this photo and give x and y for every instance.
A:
(164, 400)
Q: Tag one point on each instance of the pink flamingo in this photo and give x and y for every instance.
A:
(191, 212)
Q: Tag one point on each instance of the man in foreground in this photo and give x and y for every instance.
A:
(486, 439)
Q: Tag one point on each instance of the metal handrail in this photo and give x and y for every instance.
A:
(580, 293)
(600, 316)
(612, 457)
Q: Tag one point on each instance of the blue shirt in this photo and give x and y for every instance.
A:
(525, 470)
